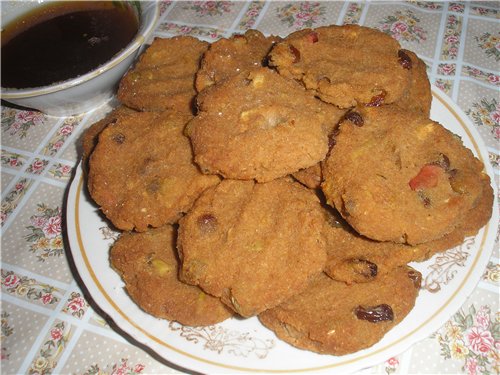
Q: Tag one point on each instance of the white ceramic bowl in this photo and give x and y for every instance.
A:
(87, 91)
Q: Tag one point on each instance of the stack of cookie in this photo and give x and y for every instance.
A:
(291, 179)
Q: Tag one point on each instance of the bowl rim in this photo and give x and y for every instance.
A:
(139, 39)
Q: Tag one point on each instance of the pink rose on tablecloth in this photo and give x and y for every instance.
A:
(52, 227)
(480, 341)
(495, 116)
(138, 368)
(47, 298)
(76, 304)
(452, 39)
(399, 27)
(57, 145)
(37, 165)
(493, 78)
(19, 186)
(11, 281)
(66, 130)
(38, 221)
(56, 334)
(392, 362)
(29, 116)
(456, 8)
(447, 69)
(66, 169)
(13, 162)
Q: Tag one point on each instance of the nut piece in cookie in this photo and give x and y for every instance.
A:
(415, 183)
(164, 76)
(260, 125)
(330, 317)
(228, 57)
(345, 65)
(253, 245)
(141, 172)
(148, 264)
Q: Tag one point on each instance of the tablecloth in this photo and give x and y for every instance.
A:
(48, 325)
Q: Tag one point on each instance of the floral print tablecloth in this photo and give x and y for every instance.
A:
(49, 326)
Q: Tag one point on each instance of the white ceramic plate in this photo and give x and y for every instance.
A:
(244, 345)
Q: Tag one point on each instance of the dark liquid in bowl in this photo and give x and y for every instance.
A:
(64, 40)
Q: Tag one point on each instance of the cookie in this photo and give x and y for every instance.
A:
(164, 76)
(253, 245)
(148, 265)
(141, 172)
(330, 317)
(228, 57)
(259, 125)
(397, 176)
(344, 65)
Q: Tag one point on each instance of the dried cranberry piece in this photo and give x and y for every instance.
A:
(295, 53)
(355, 118)
(427, 177)
(374, 314)
(207, 223)
(377, 100)
(404, 59)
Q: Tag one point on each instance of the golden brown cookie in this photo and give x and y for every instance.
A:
(330, 317)
(163, 78)
(395, 175)
(344, 65)
(228, 57)
(260, 125)
(254, 245)
(148, 265)
(141, 172)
